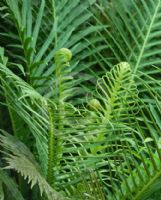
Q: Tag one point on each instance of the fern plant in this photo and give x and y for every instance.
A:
(32, 23)
(85, 143)
(97, 127)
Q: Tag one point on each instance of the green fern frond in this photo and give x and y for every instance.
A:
(141, 175)
(21, 159)
(133, 34)
(117, 90)
(56, 116)
(27, 103)
(94, 136)
(62, 74)
(41, 33)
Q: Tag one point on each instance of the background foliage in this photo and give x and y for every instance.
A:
(82, 123)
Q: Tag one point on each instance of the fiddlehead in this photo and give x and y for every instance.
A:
(56, 116)
(116, 91)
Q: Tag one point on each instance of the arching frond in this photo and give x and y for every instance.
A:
(29, 106)
(133, 34)
(140, 166)
(21, 159)
(94, 137)
(117, 91)
(41, 29)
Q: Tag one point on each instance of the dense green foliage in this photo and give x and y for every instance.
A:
(80, 112)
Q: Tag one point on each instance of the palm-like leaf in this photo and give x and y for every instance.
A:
(41, 36)
(117, 89)
(143, 175)
(119, 135)
(94, 138)
(133, 166)
(22, 106)
(138, 167)
(133, 34)
(22, 160)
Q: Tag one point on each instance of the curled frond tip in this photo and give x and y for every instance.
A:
(64, 53)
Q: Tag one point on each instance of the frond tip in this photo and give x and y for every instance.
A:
(117, 90)
(63, 55)
(94, 104)
(124, 66)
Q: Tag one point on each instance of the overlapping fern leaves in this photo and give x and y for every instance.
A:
(133, 33)
(112, 143)
(21, 159)
(94, 140)
(42, 35)
(133, 155)
(133, 36)
(37, 30)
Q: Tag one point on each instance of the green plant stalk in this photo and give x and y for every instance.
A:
(51, 142)
(60, 103)
(54, 141)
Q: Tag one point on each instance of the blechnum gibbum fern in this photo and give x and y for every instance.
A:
(113, 104)
(116, 91)
(99, 125)
(56, 116)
